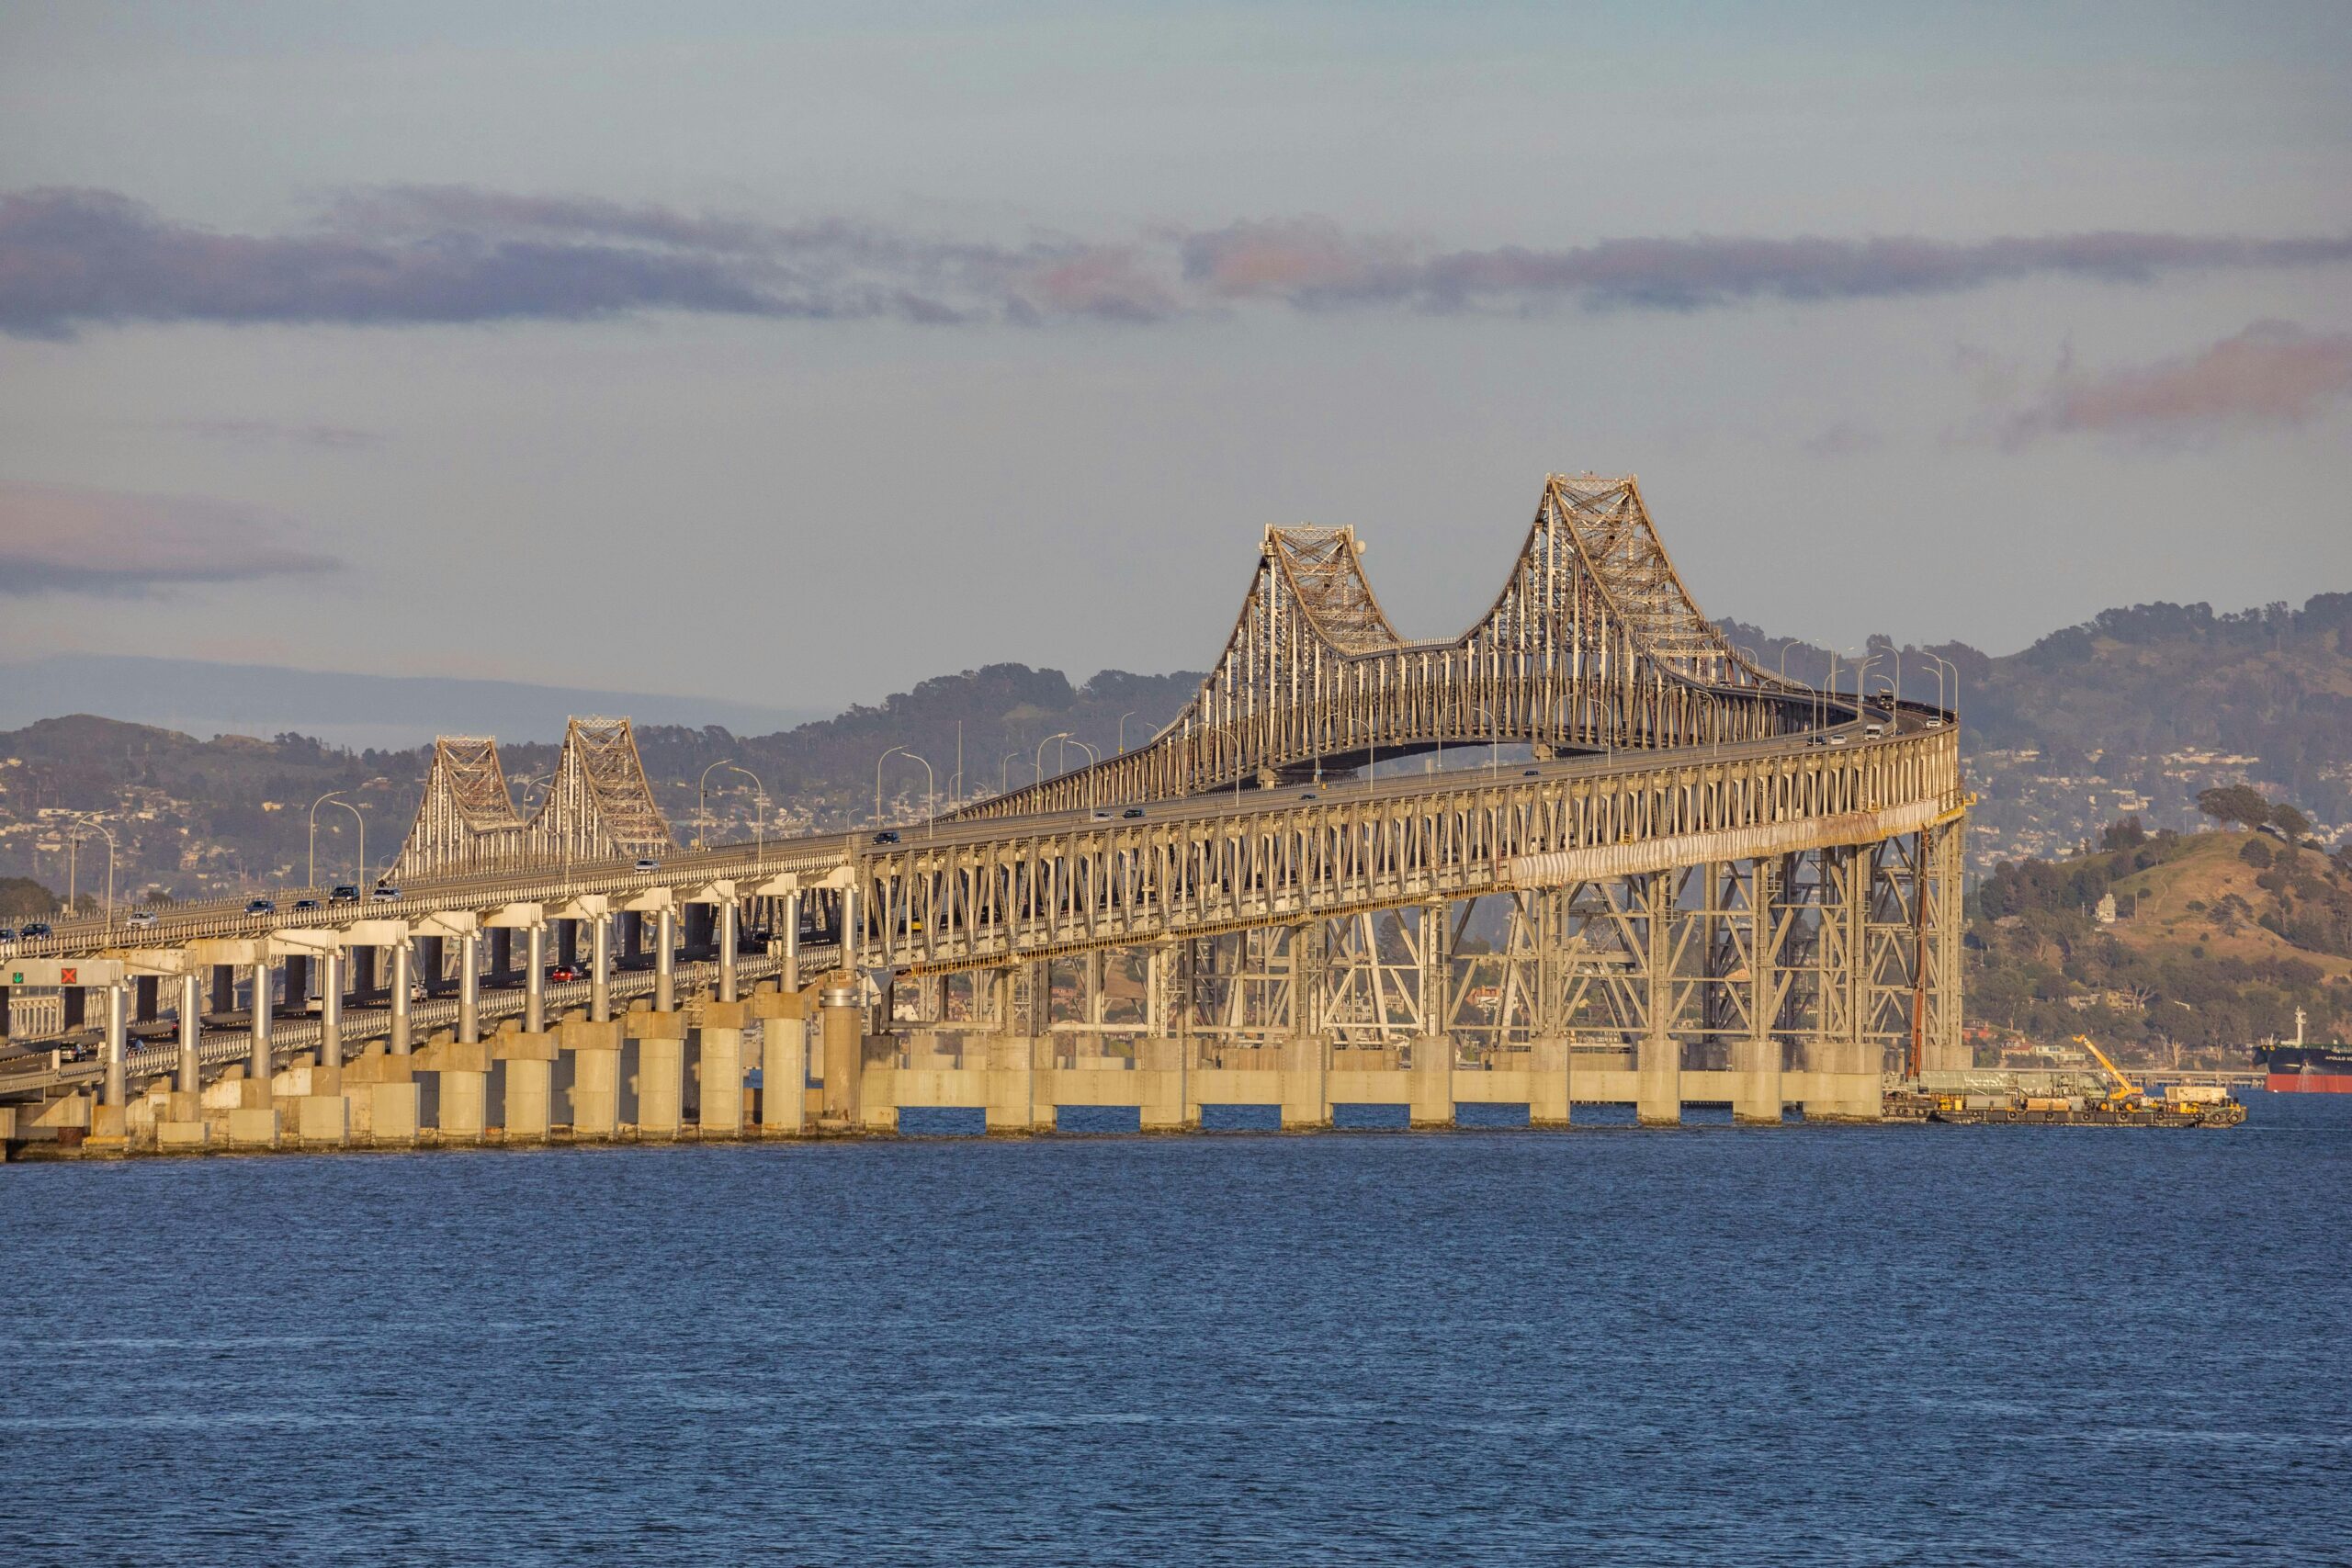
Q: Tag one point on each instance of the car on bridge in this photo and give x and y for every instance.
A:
(260, 907)
(563, 971)
(344, 893)
(7, 933)
(36, 928)
(886, 836)
(646, 862)
(301, 903)
(140, 920)
(385, 892)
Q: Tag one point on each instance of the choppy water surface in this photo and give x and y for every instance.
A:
(1712, 1346)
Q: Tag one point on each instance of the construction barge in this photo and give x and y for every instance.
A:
(2108, 1100)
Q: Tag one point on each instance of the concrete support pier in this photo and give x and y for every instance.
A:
(660, 1072)
(720, 1067)
(784, 1063)
(595, 1050)
(841, 1028)
(525, 1061)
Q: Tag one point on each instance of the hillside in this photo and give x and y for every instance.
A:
(192, 817)
(2215, 939)
(2134, 712)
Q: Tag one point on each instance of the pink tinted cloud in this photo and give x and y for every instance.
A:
(2274, 373)
(60, 539)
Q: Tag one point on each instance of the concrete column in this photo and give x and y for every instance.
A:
(726, 938)
(783, 1068)
(331, 1009)
(535, 981)
(1552, 1098)
(792, 941)
(852, 935)
(258, 1066)
(842, 1023)
(1306, 1055)
(525, 1064)
(665, 961)
(660, 1072)
(470, 988)
(118, 1044)
(595, 1050)
(599, 969)
(722, 1067)
(191, 1073)
(1756, 1060)
(1657, 1055)
(1433, 1082)
(402, 983)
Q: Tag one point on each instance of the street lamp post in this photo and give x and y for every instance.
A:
(878, 781)
(1123, 730)
(1004, 771)
(361, 874)
(94, 822)
(311, 876)
(1093, 779)
(702, 800)
(1057, 735)
(760, 820)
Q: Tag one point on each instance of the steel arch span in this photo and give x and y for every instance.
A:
(1593, 644)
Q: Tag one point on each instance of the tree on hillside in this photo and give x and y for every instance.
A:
(22, 898)
(2127, 834)
(2239, 805)
(2291, 822)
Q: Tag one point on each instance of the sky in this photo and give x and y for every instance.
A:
(791, 353)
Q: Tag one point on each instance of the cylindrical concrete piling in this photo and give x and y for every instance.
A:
(842, 1024)
(331, 1009)
(599, 969)
(191, 1071)
(118, 1043)
(665, 961)
(258, 1066)
(534, 980)
(403, 1041)
(470, 988)
(726, 938)
(792, 941)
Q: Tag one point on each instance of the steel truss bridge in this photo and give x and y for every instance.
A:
(1690, 881)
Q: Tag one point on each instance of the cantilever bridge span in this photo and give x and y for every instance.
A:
(1692, 881)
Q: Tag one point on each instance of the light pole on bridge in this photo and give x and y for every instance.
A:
(702, 800)
(94, 822)
(310, 877)
(759, 823)
(1094, 781)
(1123, 730)
(360, 875)
(1057, 735)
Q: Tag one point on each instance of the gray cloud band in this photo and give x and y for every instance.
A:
(445, 254)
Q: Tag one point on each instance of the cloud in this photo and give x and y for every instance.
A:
(56, 539)
(1845, 439)
(270, 433)
(2274, 373)
(402, 255)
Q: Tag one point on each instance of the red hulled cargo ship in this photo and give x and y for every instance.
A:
(2296, 1068)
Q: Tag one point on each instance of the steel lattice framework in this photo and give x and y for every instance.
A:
(1593, 643)
(598, 806)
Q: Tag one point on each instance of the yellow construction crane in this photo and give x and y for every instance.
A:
(2125, 1091)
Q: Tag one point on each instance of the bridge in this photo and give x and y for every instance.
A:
(1323, 884)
